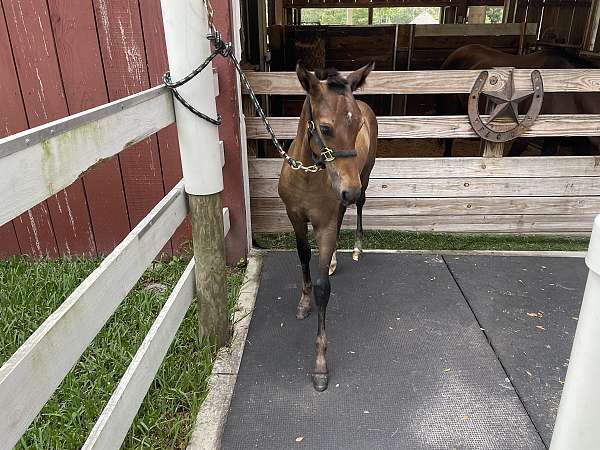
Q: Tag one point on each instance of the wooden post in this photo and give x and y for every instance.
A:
(186, 21)
(493, 149)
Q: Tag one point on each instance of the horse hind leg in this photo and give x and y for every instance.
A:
(333, 264)
(304, 253)
(358, 245)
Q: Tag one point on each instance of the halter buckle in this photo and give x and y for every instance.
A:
(327, 154)
(311, 125)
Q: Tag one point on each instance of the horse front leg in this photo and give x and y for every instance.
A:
(358, 244)
(304, 253)
(322, 289)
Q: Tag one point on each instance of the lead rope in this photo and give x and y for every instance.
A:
(226, 50)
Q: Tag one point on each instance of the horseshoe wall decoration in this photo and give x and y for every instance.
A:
(506, 103)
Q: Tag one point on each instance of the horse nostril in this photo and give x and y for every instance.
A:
(349, 196)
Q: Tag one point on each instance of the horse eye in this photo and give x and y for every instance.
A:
(326, 130)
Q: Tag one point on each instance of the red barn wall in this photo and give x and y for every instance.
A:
(59, 57)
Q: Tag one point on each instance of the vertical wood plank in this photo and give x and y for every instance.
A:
(11, 118)
(83, 79)
(158, 64)
(121, 43)
(493, 149)
(33, 228)
(39, 74)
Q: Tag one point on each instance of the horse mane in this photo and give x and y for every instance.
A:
(335, 81)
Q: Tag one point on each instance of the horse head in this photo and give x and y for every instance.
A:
(333, 120)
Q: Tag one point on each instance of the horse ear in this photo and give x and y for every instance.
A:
(357, 79)
(308, 80)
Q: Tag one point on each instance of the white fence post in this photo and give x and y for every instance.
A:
(578, 422)
(186, 28)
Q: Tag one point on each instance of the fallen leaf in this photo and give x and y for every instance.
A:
(446, 370)
(539, 327)
(299, 438)
(532, 314)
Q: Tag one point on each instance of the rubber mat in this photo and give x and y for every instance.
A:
(409, 366)
(529, 308)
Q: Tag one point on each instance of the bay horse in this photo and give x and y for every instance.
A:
(480, 57)
(339, 134)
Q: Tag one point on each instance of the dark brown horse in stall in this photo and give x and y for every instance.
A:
(338, 134)
(479, 57)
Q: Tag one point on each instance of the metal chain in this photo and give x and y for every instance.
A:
(225, 49)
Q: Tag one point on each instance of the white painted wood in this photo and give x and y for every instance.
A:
(226, 221)
(222, 150)
(30, 376)
(519, 167)
(186, 27)
(116, 418)
(216, 81)
(61, 151)
(577, 420)
(237, 45)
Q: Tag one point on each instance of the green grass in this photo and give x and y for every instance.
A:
(31, 290)
(399, 240)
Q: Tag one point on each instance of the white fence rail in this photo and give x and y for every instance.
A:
(39, 163)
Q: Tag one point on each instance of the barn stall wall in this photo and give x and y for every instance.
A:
(58, 58)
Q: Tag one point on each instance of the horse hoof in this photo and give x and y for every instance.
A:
(320, 381)
(356, 253)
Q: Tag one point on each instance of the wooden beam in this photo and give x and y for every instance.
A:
(42, 161)
(497, 224)
(462, 187)
(425, 168)
(413, 206)
(436, 82)
(417, 127)
(34, 371)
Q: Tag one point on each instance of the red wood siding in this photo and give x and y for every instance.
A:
(59, 57)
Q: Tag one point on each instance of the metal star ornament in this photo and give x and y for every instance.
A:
(507, 100)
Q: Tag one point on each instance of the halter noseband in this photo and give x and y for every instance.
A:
(326, 154)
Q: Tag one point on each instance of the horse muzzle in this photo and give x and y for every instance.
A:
(349, 196)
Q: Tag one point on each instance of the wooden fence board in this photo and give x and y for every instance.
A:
(524, 166)
(121, 42)
(30, 376)
(116, 418)
(34, 229)
(462, 187)
(584, 205)
(77, 47)
(429, 82)
(45, 167)
(417, 127)
(11, 118)
(530, 224)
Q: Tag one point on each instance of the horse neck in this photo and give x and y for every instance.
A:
(301, 150)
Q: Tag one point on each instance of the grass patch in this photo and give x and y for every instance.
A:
(401, 240)
(31, 290)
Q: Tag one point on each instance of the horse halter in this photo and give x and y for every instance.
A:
(326, 154)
